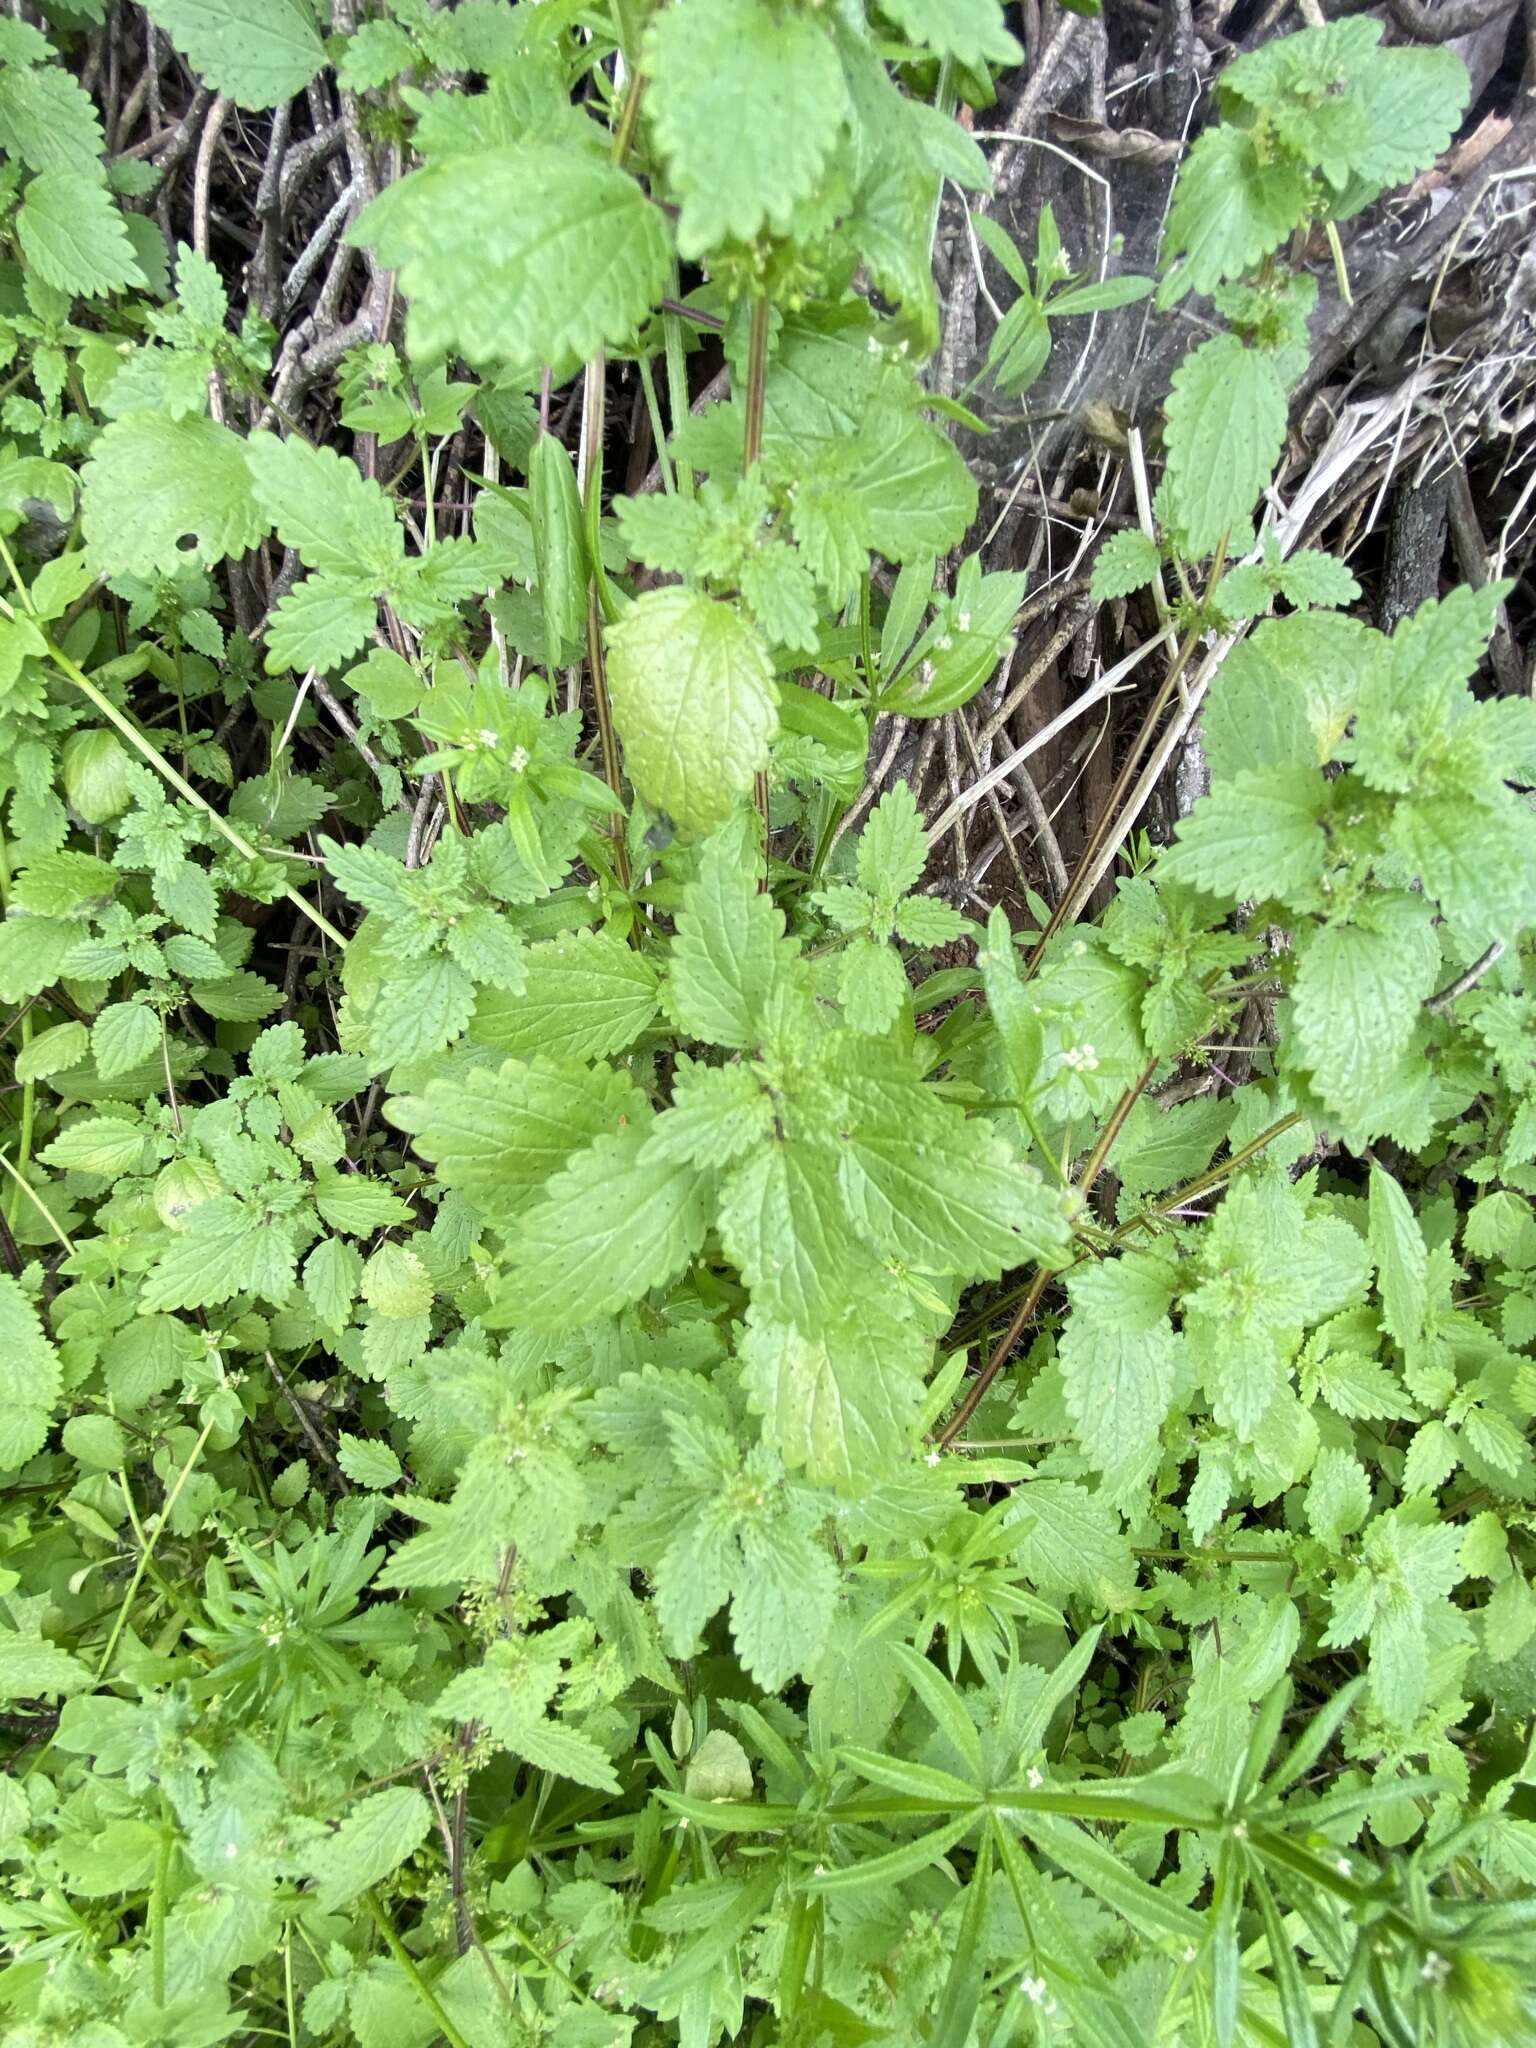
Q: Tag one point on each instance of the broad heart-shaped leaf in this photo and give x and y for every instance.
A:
(844, 1402)
(707, 61)
(1357, 994)
(694, 701)
(729, 949)
(1478, 861)
(937, 1190)
(918, 496)
(153, 482)
(225, 1247)
(322, 505)
(498, 1134)
(970, 31)
(607, 1230)
(1119, 1355)
(1224, 428)
(1127, 561)
(893, 847)
(1413, 102)
(784, 1224)
(30, 1378)
(320, 625)
(584, 995)
(49, 120)
(1255, 835)
(784, 1598)
(374, 1839)
(1229, 209)
(520, 256)
(73, 236)
(255, 55)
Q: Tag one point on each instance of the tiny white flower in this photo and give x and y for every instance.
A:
(963, 621)
(231, 1850)
(1343, 1867)
(517, 761)
(488, 736)
(1240, 1831)
(1035, 1778)
(934, 1457)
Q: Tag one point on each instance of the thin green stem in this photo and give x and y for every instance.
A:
(594, 401)
(1211, 1178)
(179, 783)
(147, 1552)
(751, 450)
(677, 384)
(658, 432)
(976, 1392)
(38, 1203)
(407, 1962)
(29, 1086)
(629, 116)
(157, 1902)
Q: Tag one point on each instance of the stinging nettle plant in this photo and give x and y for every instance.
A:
(620, 1425)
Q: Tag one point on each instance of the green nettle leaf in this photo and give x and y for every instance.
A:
(153, 483)
(123, 1036)
(871, 985)
(1258, 834)
(1127, 561)
(322, 505)
(583, 997)
(1397, 1246)
(369, 1464)
(1357, 993)
(1413, 101)
(376, 1837)
(915, 494)
(30, 1378)
(73, 235)
(844, 1402)
(735, 177)
(784, 1224)
(332, 1275)
(1224, 429)
(1119, 1356)
(498, 1134)
(970, 31)
(1230, 207)
(226, 1247)
(939, 1191)
(729, 953)
(609, 1227)
(31, 1667)
(49, 121)
(566, 254)
(695, 703)
(258, 56)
